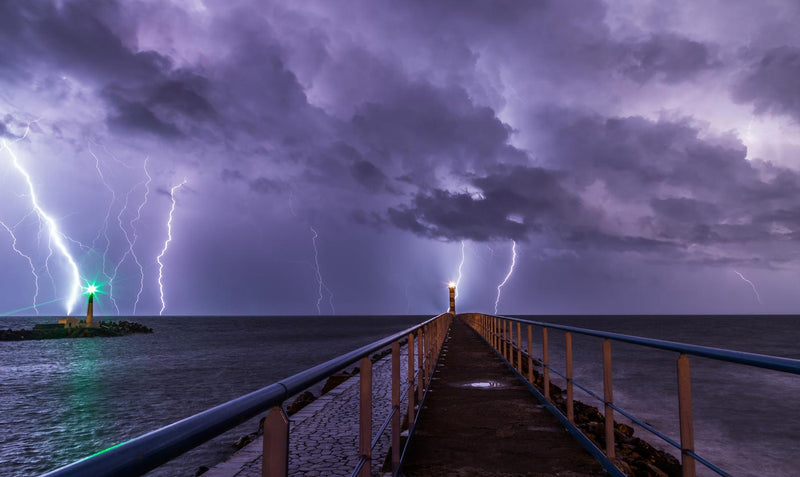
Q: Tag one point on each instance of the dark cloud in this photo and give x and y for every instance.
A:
(773, 84)
(265, 185)
(132, 116)
(79, 38)
(231, 175)
(512, 203)
(183, 96)
(369, 176)
(670, 57)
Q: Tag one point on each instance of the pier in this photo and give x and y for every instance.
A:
(459, 394)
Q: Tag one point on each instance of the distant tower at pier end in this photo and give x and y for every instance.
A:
(452, 288)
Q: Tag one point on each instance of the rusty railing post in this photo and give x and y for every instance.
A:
(410, 380)
(545, 364)
(419, 365)
(365, 417)
(510, 357)
(395, 406)
(519, 347)
(685, 411)
(503, 338)
(530, 354)
(494, 333)
(570, 404)
(608, 396)
(275, 460)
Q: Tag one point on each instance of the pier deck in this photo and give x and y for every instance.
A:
(479, 419)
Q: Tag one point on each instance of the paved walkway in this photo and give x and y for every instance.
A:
(480, 420)
(323, 436)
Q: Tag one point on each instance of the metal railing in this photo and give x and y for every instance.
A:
(144, 453)
(499, 332)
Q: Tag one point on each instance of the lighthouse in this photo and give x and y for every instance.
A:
(90, 311)
(452, 288)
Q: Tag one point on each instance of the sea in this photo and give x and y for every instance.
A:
(61, 400)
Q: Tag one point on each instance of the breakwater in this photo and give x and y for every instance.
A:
(104, 329)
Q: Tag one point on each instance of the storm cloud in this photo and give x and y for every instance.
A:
(591, 133)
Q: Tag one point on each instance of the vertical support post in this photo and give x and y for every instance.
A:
(494, 332)
(530, 354)
(685, 411)
(365, 416)
(419, 365)
(519, 347)
(545, 364)
(410, 380)
(395, 406)
(608, 396)
(508, 340)
(510, 356)
(503, 338)
(570, 403)
(275, 461)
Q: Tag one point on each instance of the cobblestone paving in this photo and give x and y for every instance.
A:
(323, 436)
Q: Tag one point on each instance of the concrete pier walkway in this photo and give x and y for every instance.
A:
(479, 419)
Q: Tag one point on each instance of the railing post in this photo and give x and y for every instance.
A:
(530, 354)
(608, 396)
(511, 343)
(410, 380)
(365, 416)
(685, 411)
(570, 404)
(519, 347)
(275, 451)
(395, 406)
(545, 364)
(494, 332)
(420, 382)
(507, 336)
(503, 338)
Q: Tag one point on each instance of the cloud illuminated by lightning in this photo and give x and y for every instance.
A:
(758, 297)
(56, 236)
(320, 281)
(508, 275)
(166, 245)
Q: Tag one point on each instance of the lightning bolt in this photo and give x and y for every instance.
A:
(136, 235)
(508, 275)
(30, 262)
(166, 245)
(461, 266)
(56, 236)
(320, 281)
(758, 297)
(129, 250)
(104, 229)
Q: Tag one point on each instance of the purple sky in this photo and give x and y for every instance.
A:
(640, 153)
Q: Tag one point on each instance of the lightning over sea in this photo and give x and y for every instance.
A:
(166, 245)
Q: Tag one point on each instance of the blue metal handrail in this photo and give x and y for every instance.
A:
(764, 361)
(144, 453)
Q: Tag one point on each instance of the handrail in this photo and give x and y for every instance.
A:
(498, 333)
(775, 363)
(144, 453)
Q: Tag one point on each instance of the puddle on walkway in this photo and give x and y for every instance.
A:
(485, 385)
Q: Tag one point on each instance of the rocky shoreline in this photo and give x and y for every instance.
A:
(634, 456)
(104, 329)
